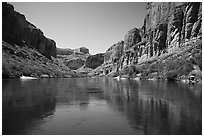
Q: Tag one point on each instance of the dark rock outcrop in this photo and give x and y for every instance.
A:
(74, 64)
(94, 61)
(17, 30)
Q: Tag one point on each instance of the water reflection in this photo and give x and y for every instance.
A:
(158, 107)
(24, 102)
(100, 106)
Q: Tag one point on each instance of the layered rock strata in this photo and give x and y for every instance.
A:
(168, 27)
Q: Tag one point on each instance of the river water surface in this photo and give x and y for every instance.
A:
(100, 106)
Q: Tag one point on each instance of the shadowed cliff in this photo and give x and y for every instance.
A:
(17, 30)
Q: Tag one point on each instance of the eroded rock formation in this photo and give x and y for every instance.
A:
(114, 53)
(73, 58)
(17, 30)
(168, 26)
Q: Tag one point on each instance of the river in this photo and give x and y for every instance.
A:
(100, 106)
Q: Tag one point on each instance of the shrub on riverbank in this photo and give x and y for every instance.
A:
(172, 66)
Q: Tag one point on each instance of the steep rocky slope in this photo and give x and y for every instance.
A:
(168, 37)
(18, 61)
(26, 51)
(17, 30)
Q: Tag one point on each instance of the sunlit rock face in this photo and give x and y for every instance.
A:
(167, 27)
(168, 24)
(17, 30)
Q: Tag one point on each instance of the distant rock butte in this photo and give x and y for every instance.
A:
(76, 58)
(73, 58)
(68, 51)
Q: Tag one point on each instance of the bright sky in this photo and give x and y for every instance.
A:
(96, 26)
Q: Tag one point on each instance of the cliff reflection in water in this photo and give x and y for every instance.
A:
(158, 107)
(25, 102)
(145, 107)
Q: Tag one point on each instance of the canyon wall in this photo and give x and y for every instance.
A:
(167, 27)
(17, 30)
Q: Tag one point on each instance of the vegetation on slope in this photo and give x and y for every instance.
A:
(170, 66)
(18, 61)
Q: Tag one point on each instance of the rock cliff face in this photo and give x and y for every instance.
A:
(114, 53)
(168, 27)
(17, 30)
(26, 51)
(131, 38)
